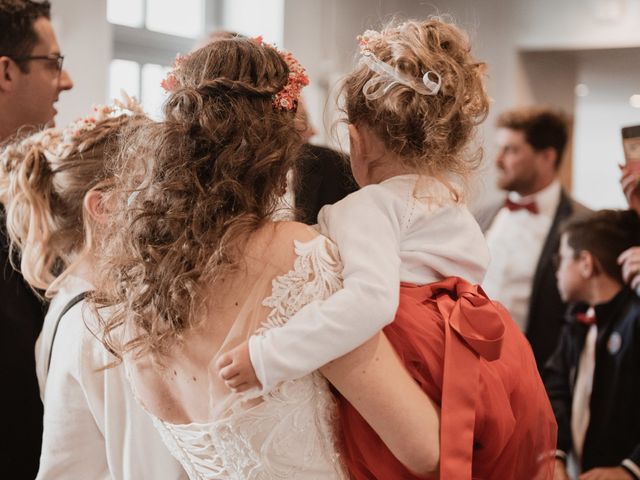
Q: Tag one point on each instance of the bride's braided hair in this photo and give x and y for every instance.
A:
(193, 187)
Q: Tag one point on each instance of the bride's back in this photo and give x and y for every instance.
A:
(183, 385)
(216, 433)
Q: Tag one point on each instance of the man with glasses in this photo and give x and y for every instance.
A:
(31, 74)
(31, 79)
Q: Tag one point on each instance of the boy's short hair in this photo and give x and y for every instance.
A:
(605, 234)
(542, 127)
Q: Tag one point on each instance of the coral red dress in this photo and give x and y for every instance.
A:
(472, 360)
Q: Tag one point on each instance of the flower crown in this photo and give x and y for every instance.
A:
(286, 99)
(58, 142)
(373, 89)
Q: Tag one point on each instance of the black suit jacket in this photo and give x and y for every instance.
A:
(21, 317)
(613, 433)
(546, 308)
(323, 177)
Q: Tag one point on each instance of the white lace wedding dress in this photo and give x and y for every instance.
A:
(288, 433)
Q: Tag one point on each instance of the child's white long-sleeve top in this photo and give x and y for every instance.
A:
(408, 228)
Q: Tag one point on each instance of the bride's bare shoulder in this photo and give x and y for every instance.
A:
(275, 242)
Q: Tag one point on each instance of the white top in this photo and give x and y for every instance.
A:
(93, 428)
(515, 241)
(405, 229)
(289, 433)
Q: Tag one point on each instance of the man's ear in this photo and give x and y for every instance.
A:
(8, 74)
(549, 157)
(94, 206)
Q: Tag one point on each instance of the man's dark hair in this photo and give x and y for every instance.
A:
(17, 36)
(542, 128)
(605, 234)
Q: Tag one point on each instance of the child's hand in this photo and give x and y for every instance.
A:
(235, 368)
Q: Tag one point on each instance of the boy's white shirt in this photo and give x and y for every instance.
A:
(405, 229)
(93, 427)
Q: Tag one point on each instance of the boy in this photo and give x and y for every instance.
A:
(593, 377)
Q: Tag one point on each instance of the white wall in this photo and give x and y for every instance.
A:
(85, 41)
(577, 24)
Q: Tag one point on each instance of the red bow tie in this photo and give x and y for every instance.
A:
(588, 318)
(532, 206)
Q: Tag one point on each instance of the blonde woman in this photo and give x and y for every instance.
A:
(51, 184)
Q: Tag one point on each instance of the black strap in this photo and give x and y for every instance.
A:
(75, 300)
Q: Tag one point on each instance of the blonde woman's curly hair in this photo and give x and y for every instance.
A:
(44, 178)
(431, 133)
(191, 190)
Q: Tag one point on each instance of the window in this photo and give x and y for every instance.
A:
(183, 19)
(148, 34)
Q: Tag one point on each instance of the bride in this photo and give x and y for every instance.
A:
(193, 265)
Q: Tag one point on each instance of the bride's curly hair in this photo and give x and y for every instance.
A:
(191, 189)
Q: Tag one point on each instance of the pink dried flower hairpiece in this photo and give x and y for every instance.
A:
(170, 82)
(287, 98)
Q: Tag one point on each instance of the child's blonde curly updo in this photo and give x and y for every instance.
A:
(429, 132)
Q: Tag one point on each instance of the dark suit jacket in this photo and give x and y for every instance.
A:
(613, 433)
(323, 177)
(21, 317)
(546, 308)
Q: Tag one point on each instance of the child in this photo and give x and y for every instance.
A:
(597, 407)
(51, 184)
(409, 245)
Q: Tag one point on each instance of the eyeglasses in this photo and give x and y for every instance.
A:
(54, 57)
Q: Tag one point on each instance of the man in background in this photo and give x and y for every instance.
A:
(31, 79)
(522, 232)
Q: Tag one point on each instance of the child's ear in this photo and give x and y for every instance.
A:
(588, 264)
(93, 204)
(355, 140)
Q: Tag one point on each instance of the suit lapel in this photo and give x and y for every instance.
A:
(564, 210)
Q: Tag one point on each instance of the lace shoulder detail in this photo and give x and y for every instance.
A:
(316, 274)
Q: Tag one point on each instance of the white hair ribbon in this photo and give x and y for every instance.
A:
(386, 73)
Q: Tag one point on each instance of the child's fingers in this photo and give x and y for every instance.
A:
(630, 270)
(235, 382)
(224, 360)
(229, 372)
(628, 254)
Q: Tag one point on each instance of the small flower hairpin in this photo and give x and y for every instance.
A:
(170, 82)
(126, 106)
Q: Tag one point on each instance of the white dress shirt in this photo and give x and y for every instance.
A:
(405, 229)
(515, 241)
(93, 427)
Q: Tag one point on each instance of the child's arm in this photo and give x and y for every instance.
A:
(366, 228)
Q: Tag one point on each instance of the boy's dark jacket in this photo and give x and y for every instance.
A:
(613, 434)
